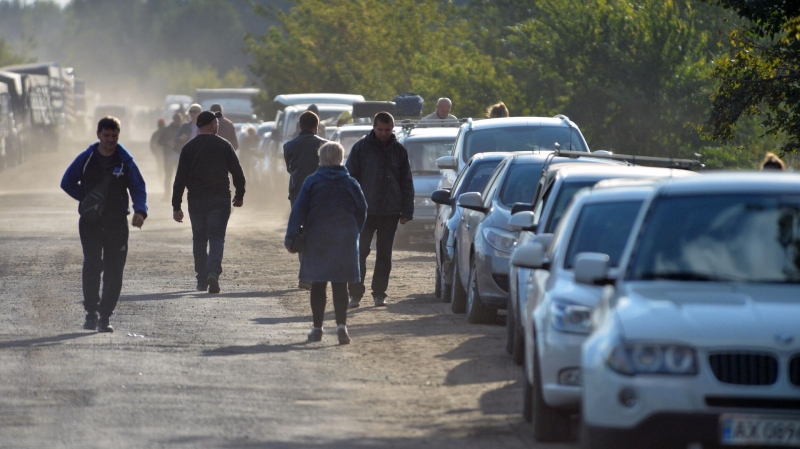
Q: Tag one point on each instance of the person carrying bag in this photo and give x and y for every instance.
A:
(334, 202)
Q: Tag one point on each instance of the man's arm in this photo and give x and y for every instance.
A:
(136, 186)
(353, 163)
(181, 178)
(235, 169)
(406, 186)
(70, 182)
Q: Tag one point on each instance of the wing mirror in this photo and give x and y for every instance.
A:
(441, 197)
(545, 240)
(521, 207)
(472, 201)
(447, 163)
(591, 268)
(531, 255)
(521, 221)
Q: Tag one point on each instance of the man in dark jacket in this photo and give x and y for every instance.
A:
(203, 169)
(170, 156)
(188, 130)
(108, 169)
(380, 165)
(302, 153)
(226, 129)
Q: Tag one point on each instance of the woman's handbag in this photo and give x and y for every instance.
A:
(298, 243)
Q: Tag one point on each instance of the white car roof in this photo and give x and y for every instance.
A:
(605, 171)
(427, 133)
(503, 122)
(733, 182)
(307, 99)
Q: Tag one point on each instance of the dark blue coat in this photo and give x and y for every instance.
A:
(332, 210)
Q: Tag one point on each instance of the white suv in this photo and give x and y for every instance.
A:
(699, 340)
(509, 134)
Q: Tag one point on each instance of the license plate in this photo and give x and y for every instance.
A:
(750, 430)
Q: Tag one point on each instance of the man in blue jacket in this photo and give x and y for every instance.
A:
(380, 165)
(106, 171)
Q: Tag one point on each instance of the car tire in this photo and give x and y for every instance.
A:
(549, 424)
(446, 288)
(437, 284)
(518, 342)
(477, 311)
(510, 328)
(458, 301)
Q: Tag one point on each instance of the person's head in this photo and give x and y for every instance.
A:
(161, 123)
(108, 129)
(216, 107)
(177, 118)
(308, 121)
(497, 110)
(194, 111)
(208, 122)
(251, 131)
(331, 154)
(313, 108)
(443, 107)
(772, 162)
(383, 125)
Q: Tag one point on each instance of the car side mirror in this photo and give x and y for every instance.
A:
(591, 268)
(531, 255)
(520, 221)
(545, 240)
(441, 196)
(447, 163)
(472, 201)
(521, 207)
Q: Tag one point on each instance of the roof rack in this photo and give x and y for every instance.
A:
(650, 161)
(409, 125)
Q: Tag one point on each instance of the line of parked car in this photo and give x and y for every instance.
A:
(657, 304)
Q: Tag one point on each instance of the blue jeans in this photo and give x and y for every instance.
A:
(105, 250)
(209, 216)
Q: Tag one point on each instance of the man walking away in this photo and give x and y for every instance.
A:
(226, 129)
(380, 165)
(203, 169)
(302, 153)
(155, 144)
(101, 178)
(188, 130)
(169, 155)
(442, 113)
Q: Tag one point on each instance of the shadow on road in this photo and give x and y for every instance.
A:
(260, 349)
(44, 341)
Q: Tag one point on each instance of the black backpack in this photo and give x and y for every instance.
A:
(409, 104)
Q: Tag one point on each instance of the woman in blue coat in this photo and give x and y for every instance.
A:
(332, 210)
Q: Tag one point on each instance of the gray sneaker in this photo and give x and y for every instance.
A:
(315, 334)
(354, 303)
(344, 337)
(103, 326)
(380, 301)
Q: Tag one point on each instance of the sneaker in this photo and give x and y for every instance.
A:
(315, 334)
(304, 285)
(380, 301)
(354, 303)
(91, 321)
(103, 326)
(344, 337)
(213, 283)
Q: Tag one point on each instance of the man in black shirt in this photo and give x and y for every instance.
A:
(203, 169)
(302, 153)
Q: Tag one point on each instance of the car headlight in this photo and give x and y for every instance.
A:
(421, 201)
(569, 317)
(500, 239)
(632, 359)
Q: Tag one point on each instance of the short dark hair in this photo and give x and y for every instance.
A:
(313, 108)
(109, 122)
(308, 121)
(497, 110)
(216, 107)
(383, 117)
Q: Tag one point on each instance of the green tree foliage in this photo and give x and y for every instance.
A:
(377, 49)
(760, 76)
(9, 56)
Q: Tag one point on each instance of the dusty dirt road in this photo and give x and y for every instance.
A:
(233, 370)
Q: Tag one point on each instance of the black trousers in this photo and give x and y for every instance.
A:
(105, 250)
(385, 227)
(319, 298)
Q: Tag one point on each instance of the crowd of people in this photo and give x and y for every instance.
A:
(337, 206)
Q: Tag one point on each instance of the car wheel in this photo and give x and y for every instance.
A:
(549, 424)
(458, 298)
(437, 284)
(518, 338)
(477, 312)
(510, 328)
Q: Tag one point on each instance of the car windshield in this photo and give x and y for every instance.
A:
(520, 184)
(423, 154)
(521, 138)
(565, 195)
(480, 176)
(230, 105)
(294, 116)
(347, 140)
(602, 228)
(741, 238)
